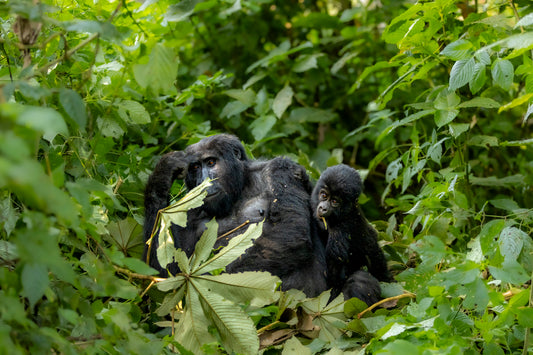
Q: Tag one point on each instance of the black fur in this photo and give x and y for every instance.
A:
(276, 191)
(351, 241)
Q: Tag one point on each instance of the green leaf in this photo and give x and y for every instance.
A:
(236, 246)
(306, 62)
(233, 108)
(261, 126)
(236, 329)
(511, 243)
(516, 102)
(109, 127)
(247, 97)
(525, 317)
(294, 346)
(510, 271)
(177, 212)
(458, 50)
(508, 182)
(160, 72)
(203, 248)
(443, 117)
(479, 79)
(257, 288)
(34, 280)
(193, 328)
(483, 141)
(462, 73)
(136, 113)
(74, 107)
(484, 102)
(525, 21)
(503, 73)
(43, 119)
(310, 114)
(171, 283)
(282, 101)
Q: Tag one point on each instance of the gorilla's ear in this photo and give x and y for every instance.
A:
(239, 153)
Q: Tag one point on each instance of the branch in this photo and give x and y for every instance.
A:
(69, 53)
(404, 295)
(138, 276)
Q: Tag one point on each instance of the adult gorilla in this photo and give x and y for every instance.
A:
(276, 191)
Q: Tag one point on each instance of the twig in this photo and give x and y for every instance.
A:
(138, 276)
(267, 327)
(408, 294)
(69, 53)
(149, 287)
(233, 230)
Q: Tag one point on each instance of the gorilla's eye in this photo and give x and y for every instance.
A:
(195, 167)
(335, 202)
(323, 195)
(211, 162)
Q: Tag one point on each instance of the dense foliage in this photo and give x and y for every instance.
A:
(431, 100)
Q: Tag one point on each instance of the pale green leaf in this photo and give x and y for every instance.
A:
(171, 283)
(177, 212)
(509, 181)
(137, 114)
(34, 280)
(484, 102)
(160, 72)
(233, 250)
(456, 129)
(510, 271)
(458, 50)
(236, 329)
(443, 117)
(171, 300)
(462, 73)
(43, 119)
(306, 62)
(257, 288)
(483, 141)
(261, 126)
(516, 102)
(109, 127)
(310, 114)
(525, 21)
(233, 108)
(282, 101)
(182, 260)
(166, 246)
(203, 248)
(503, 73)
(193, 328)
(479, 79)
(247, 97)
(511, 243)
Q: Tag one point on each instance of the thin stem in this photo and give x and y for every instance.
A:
(404, 295)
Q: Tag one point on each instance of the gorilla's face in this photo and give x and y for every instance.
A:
(219, 161)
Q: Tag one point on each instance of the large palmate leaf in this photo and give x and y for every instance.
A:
(328, 316)
(236, 246)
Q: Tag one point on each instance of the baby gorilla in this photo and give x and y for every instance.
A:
(351, 240)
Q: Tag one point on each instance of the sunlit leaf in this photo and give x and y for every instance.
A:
(236, 246)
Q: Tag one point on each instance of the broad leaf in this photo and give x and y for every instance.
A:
(34, 282)
(160, 72)
(203, 248)
(462, 73)
(503, 73)
(256, 288)
(282, 101)
(236, 246)
(236, 329)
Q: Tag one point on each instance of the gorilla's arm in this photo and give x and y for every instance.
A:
(172, 166)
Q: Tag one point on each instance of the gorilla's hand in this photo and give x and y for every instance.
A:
(172, 165)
